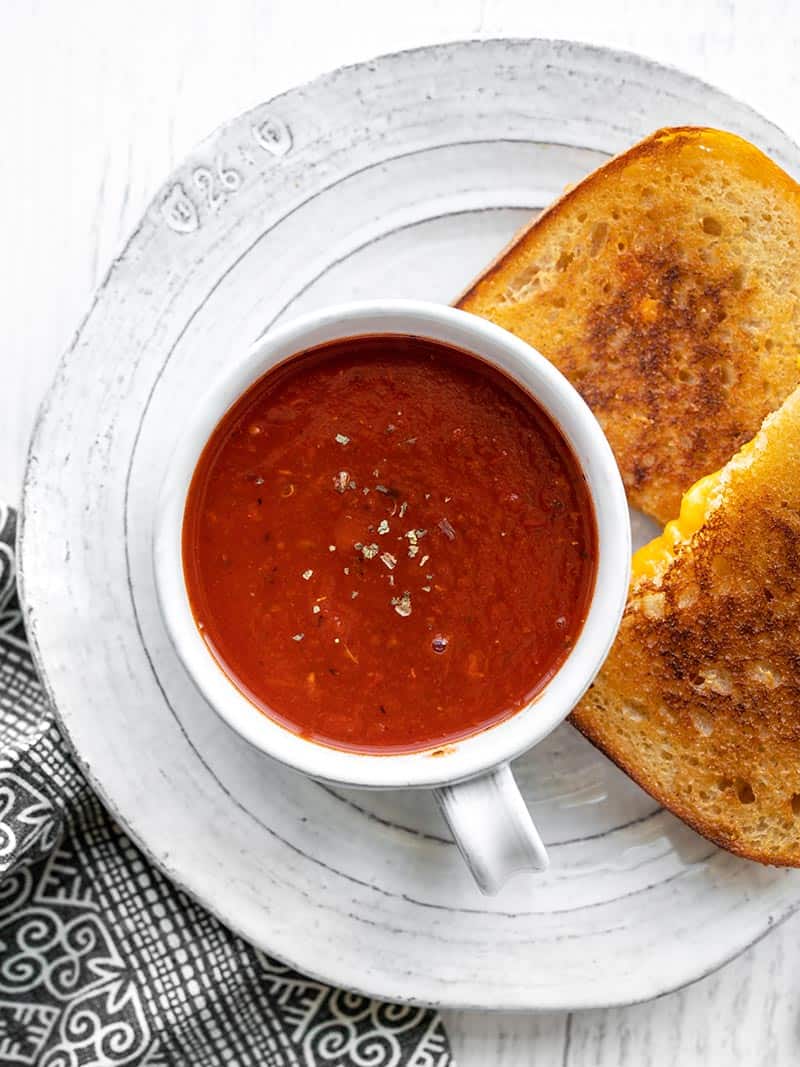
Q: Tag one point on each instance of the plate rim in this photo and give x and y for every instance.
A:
(330, 977)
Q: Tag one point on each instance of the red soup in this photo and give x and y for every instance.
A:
(388, 545)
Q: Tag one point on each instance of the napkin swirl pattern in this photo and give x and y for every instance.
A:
(104, 962)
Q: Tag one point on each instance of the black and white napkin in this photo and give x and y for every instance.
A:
(104, 962)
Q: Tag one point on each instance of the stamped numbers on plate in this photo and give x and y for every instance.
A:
(211, 186)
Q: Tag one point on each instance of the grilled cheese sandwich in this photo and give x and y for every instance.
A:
(699, 700)
(666, 287)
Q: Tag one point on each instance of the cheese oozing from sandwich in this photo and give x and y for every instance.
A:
(697, 504)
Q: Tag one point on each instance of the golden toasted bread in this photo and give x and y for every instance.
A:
(699, 700)
(666, 286)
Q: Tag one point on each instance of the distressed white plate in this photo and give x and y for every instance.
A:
(400, 177)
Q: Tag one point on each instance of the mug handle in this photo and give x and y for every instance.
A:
(492, 828)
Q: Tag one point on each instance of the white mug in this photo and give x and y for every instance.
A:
(471, 777)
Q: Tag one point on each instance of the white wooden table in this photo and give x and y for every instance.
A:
(99, 99)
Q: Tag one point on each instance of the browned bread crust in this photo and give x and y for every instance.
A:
(666, 286)
(699, 700)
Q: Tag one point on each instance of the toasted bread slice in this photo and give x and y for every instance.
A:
(699, 700)
(666, 287)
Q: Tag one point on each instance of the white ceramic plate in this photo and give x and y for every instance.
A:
(400, 177)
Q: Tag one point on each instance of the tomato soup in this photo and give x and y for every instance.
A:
(388, 545)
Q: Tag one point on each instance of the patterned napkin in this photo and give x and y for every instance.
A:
(104, 962)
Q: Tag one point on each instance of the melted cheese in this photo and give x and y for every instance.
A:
(696, 505)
